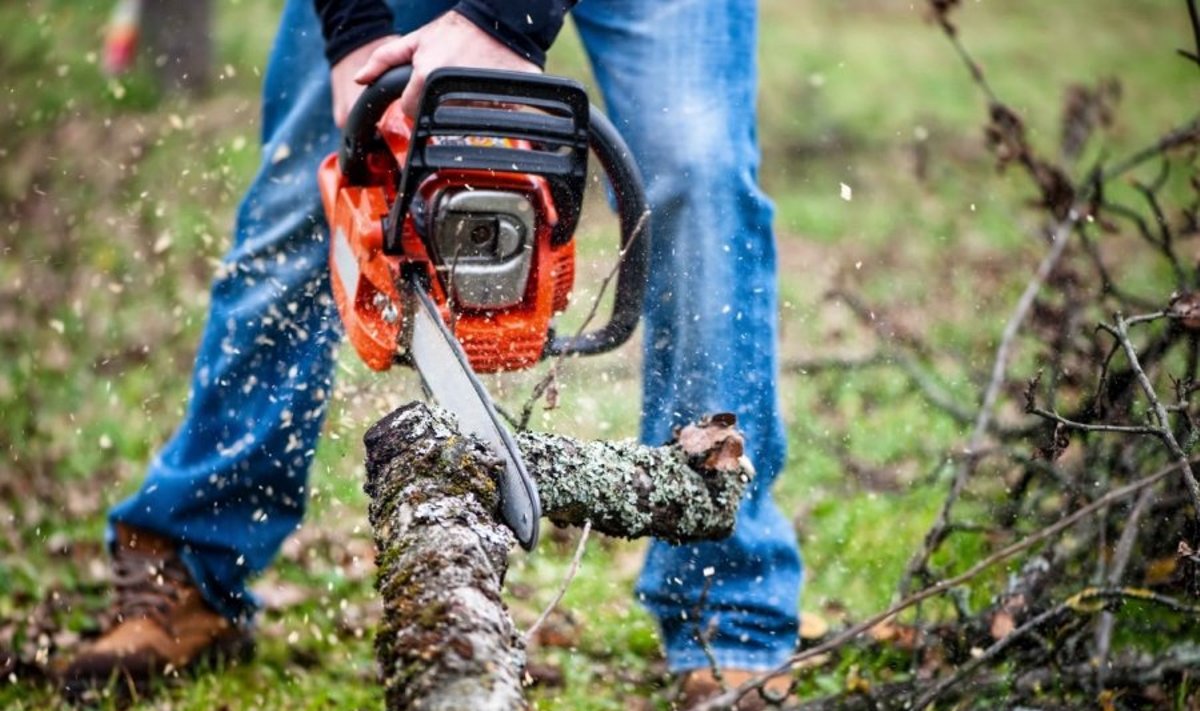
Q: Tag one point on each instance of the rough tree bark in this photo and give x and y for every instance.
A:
(446, 640)
(688, 490)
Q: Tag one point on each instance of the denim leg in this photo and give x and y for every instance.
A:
(679, 80)
(231, 484)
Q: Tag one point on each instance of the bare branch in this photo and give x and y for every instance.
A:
(1194, 15)
(1084, 427)
(1160, 413)
(983, 419)
(1085, 601)
(840, 639)
(562, 589)
(1189, 132)
(991, 653)
(1121, 557)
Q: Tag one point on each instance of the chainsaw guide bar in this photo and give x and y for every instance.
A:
(448, 377)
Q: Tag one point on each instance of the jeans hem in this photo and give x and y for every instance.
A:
(241, 615)
(684, 660)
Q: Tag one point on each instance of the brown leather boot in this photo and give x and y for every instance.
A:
(701, 684)
(159, 621)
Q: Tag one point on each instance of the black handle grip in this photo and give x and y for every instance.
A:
(360, 138)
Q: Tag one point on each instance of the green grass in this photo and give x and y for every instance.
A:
(115, 203)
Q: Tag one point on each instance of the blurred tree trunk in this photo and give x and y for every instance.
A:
(178, 42)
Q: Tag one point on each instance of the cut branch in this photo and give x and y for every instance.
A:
(445, 641)
(686, 492)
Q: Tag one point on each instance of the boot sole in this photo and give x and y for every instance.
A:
(128, 686)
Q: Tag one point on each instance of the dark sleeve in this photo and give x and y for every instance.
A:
(527, 27)
(349, 24)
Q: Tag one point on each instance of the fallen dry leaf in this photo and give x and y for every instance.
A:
(813, 626)
(1002, 624)
(898, 635)
(279, 595)
(1160, 571)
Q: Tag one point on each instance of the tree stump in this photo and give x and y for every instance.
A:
(446, 640)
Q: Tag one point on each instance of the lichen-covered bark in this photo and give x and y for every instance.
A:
(688, 490)
(445, 642)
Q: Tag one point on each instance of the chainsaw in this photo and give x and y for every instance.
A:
(452, 239)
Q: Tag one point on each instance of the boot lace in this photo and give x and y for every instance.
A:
(147, 586)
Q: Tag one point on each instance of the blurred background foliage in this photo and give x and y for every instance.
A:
(116, 201)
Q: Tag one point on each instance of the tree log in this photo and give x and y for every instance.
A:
(446, 640)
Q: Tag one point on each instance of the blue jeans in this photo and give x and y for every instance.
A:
(678, 78)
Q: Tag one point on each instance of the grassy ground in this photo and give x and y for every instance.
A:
(115, 204)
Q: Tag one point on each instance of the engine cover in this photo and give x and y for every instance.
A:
(484, 242)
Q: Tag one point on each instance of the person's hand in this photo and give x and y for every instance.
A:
(345, 89)
(449, 41)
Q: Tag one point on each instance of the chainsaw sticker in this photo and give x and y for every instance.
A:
(346, 264)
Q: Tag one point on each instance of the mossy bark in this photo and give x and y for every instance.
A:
(687, 490)
(446, 640)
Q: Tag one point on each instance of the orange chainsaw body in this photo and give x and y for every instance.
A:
(366, 281)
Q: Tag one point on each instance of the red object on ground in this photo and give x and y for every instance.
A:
(121, 38)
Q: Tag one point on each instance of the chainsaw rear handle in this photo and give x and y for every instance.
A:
(560, 130)
(633, 214)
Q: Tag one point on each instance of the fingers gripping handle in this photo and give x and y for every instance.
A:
(360, 138)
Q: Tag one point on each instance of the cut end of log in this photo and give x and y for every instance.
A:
(714, 443)
(428, 443)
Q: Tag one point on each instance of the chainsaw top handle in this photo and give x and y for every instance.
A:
(471, 102)
(360, 138)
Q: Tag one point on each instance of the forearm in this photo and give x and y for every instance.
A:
(349, 24)
(527, 27)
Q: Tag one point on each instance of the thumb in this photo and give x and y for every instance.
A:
(389, 54)
(411, 98)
